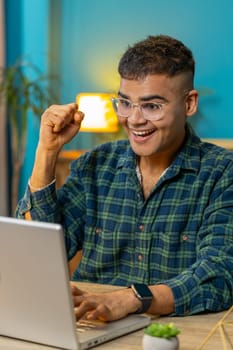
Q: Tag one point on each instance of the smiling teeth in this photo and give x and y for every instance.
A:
(143, 133)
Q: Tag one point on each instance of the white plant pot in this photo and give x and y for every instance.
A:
(156, 343)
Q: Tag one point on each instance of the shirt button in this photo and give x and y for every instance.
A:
(140, 257)
(141, 227)
(185, 237)
(97, 230)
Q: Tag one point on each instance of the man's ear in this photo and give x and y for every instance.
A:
(191, 103)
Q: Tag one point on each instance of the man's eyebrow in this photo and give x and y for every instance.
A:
(145, 98)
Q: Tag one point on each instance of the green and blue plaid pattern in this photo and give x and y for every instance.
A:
(181, 235)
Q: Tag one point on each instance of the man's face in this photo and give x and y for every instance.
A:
(151, 137)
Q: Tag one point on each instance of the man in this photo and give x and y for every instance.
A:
(156, 210)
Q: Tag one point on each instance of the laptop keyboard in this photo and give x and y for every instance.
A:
(85, 325)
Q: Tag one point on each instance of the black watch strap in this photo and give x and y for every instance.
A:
(143, 293)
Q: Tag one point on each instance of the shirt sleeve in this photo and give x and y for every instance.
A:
(208, 284)
(41, 204)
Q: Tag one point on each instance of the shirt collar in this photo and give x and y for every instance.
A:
(190, 153)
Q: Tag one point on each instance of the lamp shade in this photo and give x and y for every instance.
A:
(99, 112)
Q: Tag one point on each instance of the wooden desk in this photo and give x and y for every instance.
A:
(194, 330)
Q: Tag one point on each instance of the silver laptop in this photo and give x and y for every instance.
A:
(35, 297)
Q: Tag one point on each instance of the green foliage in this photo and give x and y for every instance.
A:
(167, 330)
(24, 88)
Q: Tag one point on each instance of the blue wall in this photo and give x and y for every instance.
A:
(99, 31)
(27, 28)
(83, 41)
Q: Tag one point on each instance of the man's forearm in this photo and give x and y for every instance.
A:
(44, 169)
(163, 301)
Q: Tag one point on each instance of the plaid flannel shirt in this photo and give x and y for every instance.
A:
(181, 235)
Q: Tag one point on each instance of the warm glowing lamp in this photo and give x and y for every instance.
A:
(99, 117)
(99, 112)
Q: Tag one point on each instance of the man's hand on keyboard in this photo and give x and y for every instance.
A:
(104, 306)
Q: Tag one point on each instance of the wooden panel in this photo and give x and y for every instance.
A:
(226, 143)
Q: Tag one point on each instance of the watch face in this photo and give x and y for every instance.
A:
(142, 290)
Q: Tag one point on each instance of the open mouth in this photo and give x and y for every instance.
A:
(143, 133)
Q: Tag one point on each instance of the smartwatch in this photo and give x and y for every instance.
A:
(143, 293)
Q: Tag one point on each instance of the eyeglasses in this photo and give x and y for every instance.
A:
(150, 110)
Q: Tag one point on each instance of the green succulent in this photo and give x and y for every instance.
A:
(167, 330)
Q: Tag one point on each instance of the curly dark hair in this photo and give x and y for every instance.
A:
(159, 54)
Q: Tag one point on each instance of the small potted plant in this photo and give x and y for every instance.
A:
(158, 336)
